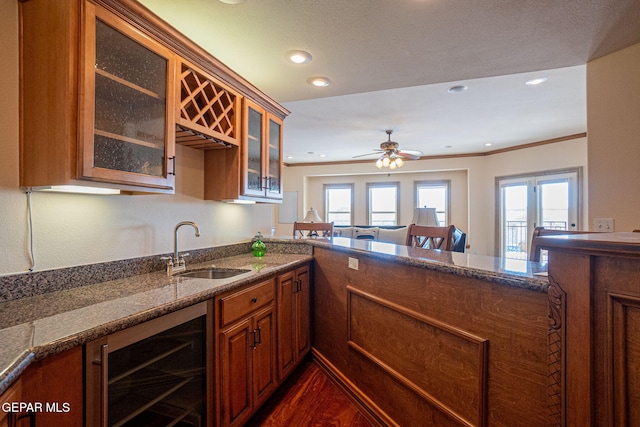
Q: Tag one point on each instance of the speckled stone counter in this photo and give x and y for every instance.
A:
(510, 272)
(60, 313)
(49, 323)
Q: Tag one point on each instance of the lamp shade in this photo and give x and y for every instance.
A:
(312, 216)
(425, 216)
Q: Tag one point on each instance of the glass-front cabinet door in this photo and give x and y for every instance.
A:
(253, 150)
(274, 174)
(127, 109)
(262, 158)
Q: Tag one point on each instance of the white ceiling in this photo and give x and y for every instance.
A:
(392, 61)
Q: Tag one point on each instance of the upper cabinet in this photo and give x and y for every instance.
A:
(108, 89)
(97, 101)
(262, 154)
(208, 115)
(253, 171)
(126, 115)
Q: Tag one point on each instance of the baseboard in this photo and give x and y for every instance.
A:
(368, 408)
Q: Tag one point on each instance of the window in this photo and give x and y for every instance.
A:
(382, 203)
(434, 194)
(547, 199)
(338, 203)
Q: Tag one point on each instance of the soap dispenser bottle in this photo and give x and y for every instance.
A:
(258, 248)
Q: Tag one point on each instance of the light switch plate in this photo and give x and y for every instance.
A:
(353, 263)
(603, 224)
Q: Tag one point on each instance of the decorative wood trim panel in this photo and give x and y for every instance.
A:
(557, 355)
(457, 359)
(622, 357)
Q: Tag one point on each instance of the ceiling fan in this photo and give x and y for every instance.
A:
(390, 154)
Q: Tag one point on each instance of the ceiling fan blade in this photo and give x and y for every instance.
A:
(409, 154)
(376, 152)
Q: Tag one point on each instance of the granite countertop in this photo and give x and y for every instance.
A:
(42, 325)
(510, 272)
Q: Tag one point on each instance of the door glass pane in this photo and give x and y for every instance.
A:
(254, 150)
(160, 380)
(274, 157)
(554, 205)
(130, 105)
(515, 233)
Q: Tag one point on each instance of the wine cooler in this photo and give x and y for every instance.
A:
(152, 374)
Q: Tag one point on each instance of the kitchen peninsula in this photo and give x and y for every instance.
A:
(413, 335)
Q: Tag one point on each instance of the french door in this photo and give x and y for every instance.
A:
(547, 200)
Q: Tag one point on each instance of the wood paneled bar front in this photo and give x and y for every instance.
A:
(594, 290)
(424, 337)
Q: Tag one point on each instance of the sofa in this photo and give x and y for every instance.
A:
(396, 234)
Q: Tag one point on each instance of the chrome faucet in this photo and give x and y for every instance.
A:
(177, 263)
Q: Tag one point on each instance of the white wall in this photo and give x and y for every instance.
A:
(613, 106)
(73, 230)
(481, 171)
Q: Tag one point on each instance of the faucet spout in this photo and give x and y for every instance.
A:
(175, 237)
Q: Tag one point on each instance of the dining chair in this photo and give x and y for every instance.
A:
(534, 254)
(313, 229)
(430, 237)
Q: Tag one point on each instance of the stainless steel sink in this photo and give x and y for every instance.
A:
(214, 273)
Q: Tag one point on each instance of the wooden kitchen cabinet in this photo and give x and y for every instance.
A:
(247, 353)
(97, 100)
(57, 383)
(209, 113)
(252, 171)
(8, 399)
(294, 319)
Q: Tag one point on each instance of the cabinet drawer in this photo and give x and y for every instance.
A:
(242, 303)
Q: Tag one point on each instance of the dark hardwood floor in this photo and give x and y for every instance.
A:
(309, 398)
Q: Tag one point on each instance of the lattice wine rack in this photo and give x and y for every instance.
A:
(209, 113)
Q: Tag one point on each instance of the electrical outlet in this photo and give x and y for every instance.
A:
(603, 224)
(353, 263)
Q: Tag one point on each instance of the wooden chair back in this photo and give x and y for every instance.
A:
(534, 255)
(430, 237)
(313, 229)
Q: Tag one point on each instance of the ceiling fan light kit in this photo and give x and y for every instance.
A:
(392, 157)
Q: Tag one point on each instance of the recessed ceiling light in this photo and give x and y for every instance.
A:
(232, 1)
(319, 81)
(536, 81)
(488, 144)
(323, 155)
(289, 157)
(299, 56)
(457, 89)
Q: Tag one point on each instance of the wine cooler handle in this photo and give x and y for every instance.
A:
(104, 385)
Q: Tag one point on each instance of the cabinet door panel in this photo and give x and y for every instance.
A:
(264, 356)
(274, 158)
(236, 373)
(253, 155)
(286, 324)
(303, 315)
(126, 115)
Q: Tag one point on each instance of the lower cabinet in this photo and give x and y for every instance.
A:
(247, 353)
(294, 332)
(8, 411)
(53, 388)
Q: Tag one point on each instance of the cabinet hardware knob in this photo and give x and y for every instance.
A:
(254, 300)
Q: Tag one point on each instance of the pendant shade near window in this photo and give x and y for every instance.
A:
(312, 216)
(425, 216)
